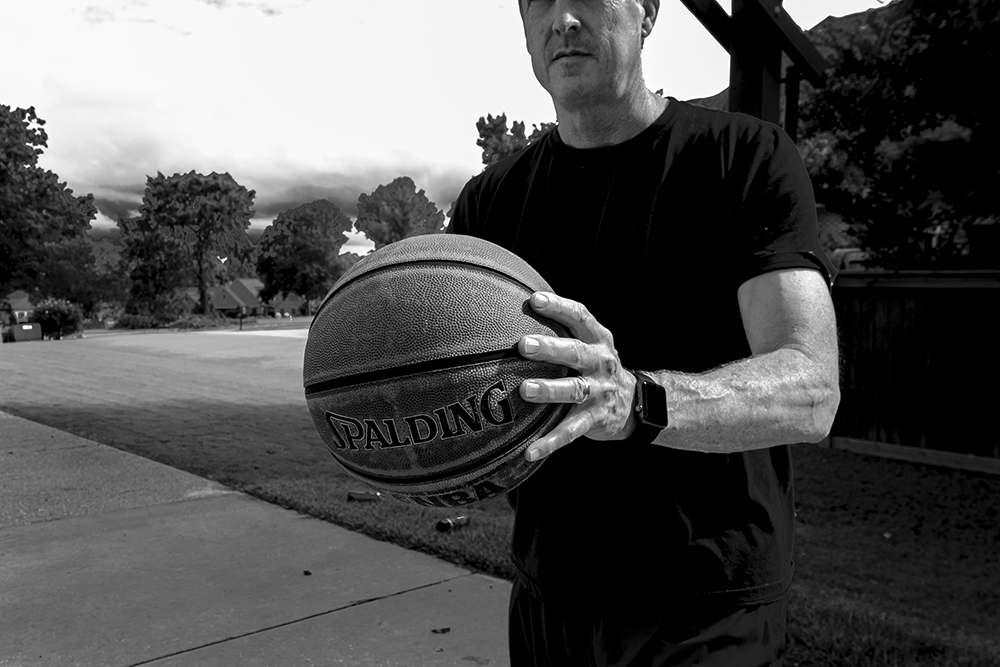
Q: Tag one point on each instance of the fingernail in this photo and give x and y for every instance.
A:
(531, 389)
(530, 346)
(540, 300)
(533, 454)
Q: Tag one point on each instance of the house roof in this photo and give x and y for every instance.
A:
(291, 302)
(247, 290)
(250, 283)
(223, 298)
(19, 300)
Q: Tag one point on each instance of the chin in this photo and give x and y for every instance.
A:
(571, 96)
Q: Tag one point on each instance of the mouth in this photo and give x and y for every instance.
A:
(570, 53)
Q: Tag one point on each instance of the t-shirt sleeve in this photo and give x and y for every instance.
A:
(777, 212)
(464, 211)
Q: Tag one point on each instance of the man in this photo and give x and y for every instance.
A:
(680, 244)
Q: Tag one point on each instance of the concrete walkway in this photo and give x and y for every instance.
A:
(110, 559)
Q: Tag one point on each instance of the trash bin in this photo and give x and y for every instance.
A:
(26, 331)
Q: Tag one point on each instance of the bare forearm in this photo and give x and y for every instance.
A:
(782, 397)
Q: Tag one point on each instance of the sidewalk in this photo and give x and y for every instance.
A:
(110, 559)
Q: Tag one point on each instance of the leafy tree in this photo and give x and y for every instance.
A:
(499, 142)
(299, 252)
(37, 212)
(242, 263)
(899, 140)
(6, 314)
(111, 286)
(396, 211)
(157, 265)
(208, 214)
(73, 272)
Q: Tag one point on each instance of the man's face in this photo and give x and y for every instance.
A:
(584, 52)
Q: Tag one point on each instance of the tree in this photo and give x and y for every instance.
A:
(73, 272)
(396, 211)
(112, 283)
(37, 212)
(299, 252)
(157, 266)
(498, 142)
(242, 263)
(899, 140)
(209, 214)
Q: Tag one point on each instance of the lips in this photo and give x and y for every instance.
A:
(568, 53)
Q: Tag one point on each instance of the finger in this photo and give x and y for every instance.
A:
(563, 351)
(574, 426)
(576, 389)
(572, 314)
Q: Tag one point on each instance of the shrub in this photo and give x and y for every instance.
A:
(58, 318)
(135, 321)
(197, 321)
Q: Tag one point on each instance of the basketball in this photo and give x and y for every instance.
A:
(411, 370)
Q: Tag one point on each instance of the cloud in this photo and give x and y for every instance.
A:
(267, 9)
(296, 99)
(111, 209)
(344, 197)
(312, 102)
(275, 193)
(97, 15)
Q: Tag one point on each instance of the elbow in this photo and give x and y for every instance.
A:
(824, 411)
(822, 387)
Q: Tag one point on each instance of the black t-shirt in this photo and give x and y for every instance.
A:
(654, 236)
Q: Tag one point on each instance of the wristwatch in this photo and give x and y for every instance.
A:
(650, 407)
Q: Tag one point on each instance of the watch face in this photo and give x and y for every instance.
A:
(654, 403)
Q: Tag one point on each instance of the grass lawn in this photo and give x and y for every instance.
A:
(896, 563)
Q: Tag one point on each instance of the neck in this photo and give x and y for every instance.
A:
(608, 123)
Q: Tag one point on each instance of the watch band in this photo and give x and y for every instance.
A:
(650, 408)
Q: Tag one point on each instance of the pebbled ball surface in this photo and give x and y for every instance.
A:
(432, 300)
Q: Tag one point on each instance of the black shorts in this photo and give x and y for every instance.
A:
(543, 635)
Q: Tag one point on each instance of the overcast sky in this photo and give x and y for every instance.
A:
(300, 99)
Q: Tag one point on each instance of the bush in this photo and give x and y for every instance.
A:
(134, 321)
(58, 318)
(197, 321)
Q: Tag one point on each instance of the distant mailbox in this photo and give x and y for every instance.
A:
(27, 331)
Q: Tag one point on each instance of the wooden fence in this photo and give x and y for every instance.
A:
(920, 367)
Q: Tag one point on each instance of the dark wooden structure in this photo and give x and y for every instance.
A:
(921, 362)
(756, 35)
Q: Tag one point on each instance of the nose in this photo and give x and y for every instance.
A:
(566, 19)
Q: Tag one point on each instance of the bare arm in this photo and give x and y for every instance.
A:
(786, 393)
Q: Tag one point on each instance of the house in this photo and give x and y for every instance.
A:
(190, 299)
(231, 300)
(247, 290)
(291, 304)
(21, 306)
(241, 293)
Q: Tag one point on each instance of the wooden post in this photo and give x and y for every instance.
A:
(793, 79)
(755, 70)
